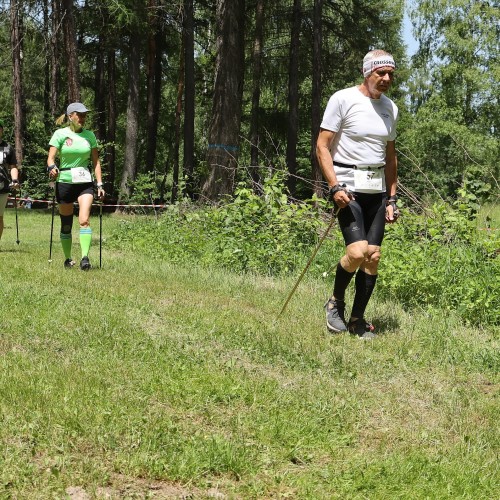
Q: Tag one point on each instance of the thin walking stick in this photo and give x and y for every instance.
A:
(52, 224)
(17, 222)
(100, 235)
(311, 258)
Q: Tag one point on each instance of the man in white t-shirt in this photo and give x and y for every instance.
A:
(357, 155)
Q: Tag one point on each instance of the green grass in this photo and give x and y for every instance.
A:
(146, 379)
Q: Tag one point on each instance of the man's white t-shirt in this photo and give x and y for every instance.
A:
(363, 126)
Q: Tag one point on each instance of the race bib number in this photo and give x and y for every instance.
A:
(80, 175)
(368, 180)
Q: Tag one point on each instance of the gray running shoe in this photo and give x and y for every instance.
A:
(85, 264)
(362, 329)
(335, 321)
(69, 263)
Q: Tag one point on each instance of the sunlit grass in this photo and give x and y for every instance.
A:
(147, 378)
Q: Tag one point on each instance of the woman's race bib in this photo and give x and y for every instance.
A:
(368, 180)
(80, 175)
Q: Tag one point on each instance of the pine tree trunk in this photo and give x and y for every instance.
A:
(16, 39)
(112, 116)
(100, 89)
(153, 84)
(131, 135)
(317, 176)
(46, 75)
(256, 84)
(223, 136)
(293, 98)
(73, 67)
(178, 113)
(189, 96)
(55, 45)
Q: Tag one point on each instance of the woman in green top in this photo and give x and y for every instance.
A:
(77, 148)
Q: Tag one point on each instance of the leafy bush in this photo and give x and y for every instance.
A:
(252, 233)
(435, 259)
(439, 260)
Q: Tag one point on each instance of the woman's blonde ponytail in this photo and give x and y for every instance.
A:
(61, 119)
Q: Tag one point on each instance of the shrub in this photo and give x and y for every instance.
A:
(435, 259)
(251, 233)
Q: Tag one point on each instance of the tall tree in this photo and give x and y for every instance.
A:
(153, 69)
(129, 172)
(256, 85)
(178, 113)
(316, 94)
(112, 117)
(100, 87)
(223, 135)
(189, 95)
(55, 57)
(73, 66)
(16, 38)
(293, 97)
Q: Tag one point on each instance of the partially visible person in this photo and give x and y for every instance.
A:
(77, 149)
(357, 155)
(9, 174)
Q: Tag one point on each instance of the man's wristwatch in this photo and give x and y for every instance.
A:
(50, 168)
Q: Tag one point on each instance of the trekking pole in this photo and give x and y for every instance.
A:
(52, 224)
(17, 222)
(100, 235)
(311, 258)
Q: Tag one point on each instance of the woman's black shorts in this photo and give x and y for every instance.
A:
(364, 219)
(69, 193)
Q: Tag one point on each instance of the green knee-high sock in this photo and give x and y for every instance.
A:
(85, 240)
(66, 241)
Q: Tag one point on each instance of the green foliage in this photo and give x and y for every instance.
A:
(440, 260)
(145, 189)
(453, 91)
(264, 234)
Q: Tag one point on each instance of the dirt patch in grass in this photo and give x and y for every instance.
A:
(121, 486)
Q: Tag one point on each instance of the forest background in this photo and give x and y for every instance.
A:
(189, 98)
(182, 380)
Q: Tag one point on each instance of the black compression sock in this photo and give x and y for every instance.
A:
(342, 280)
(365, 283)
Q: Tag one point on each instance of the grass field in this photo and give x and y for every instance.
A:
(148, 380)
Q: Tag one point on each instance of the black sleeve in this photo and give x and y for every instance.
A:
(11, 157)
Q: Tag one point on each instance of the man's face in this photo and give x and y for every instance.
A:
(381, 80)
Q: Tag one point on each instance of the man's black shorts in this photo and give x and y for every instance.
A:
(364, 219)
(69, 193)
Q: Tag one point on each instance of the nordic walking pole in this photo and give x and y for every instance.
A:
(100, 235)
(17, 222)
(311, 258)
(52, 224)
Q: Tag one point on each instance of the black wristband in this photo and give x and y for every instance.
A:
(392, 199)
(336, 189)
(50, 168)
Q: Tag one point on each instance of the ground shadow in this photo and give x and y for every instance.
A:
(386, 324)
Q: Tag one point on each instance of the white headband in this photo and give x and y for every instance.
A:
(378, 62)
